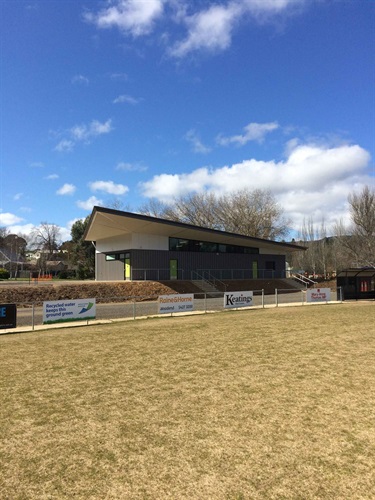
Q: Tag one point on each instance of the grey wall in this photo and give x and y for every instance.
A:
(156, 262)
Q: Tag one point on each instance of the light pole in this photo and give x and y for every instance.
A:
(16, 241)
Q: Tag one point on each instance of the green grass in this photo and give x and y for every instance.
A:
(257, 404)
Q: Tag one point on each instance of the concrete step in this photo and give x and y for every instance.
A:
(205, 286)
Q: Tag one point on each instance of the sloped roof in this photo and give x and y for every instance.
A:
(107, 223)
(363, 272)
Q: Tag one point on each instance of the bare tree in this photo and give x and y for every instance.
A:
(357, 240)
(3, 233)
(199, 209)
(252, 213)
(362, 212)
(46, 238)
(153, 208)
(118, 204)
(320, 257)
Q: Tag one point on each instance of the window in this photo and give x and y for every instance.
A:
(184, 245)
(116, 256)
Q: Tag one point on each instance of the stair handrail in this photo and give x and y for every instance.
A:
(304, 279)
(212, 280)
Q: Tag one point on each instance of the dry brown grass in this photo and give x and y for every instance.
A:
(257, 404)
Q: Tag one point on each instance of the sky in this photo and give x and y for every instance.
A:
(113, 103)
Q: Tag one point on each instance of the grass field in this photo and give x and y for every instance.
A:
(256, 404)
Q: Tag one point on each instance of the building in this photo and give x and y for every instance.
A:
(137, 247)
(357, 283)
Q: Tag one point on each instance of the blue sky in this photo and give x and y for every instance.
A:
(120, 101)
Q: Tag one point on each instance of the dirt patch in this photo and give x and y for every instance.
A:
(102, 292)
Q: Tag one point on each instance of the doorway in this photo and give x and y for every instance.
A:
(173, 267)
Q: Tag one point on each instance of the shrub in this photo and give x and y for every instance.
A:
(4, 274)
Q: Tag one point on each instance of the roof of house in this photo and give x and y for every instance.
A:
(107, 223)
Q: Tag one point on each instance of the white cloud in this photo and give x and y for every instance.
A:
(210, 29)
(128, 99)
(122, 77)
(80, 79)
(312, 181)
(134, 17)
(25, 209)
(197, 145)
(167, 186)
(89, 203)
(66, 189)
(52, 177)
(37, 164)
(108, 187)
(83, 133)
(97, 128)
(17, 196)
(25, 229)
(263, 10)
(131, 167)
(252, 132)
(8, 219)
(65, 146)
(93, 129)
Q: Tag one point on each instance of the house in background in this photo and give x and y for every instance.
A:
(137, 247)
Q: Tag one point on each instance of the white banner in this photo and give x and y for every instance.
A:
(176, 303)
(61, 311)
(238, 299)
(318, 295)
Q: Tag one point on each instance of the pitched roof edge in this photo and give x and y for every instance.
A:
(148, 218)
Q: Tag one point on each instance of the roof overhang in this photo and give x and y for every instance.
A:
(107, 223)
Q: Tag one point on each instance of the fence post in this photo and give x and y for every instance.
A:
(302, 297)
(262, 298)
(276, 298)
(205, 302)
(134, 308)
(32, 317)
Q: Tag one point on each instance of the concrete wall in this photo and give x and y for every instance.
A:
(116, 244)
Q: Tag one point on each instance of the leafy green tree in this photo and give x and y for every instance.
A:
(82, 252)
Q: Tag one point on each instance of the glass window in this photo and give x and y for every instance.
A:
(184, 245)
(173, 244)
(205, 246)
(110, 256)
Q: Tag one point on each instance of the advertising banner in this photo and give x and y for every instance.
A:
(8, 316)
(176, 303)
(318, 295)
(61, 311)
(238, 299)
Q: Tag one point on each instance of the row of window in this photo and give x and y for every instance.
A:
(184, 245)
